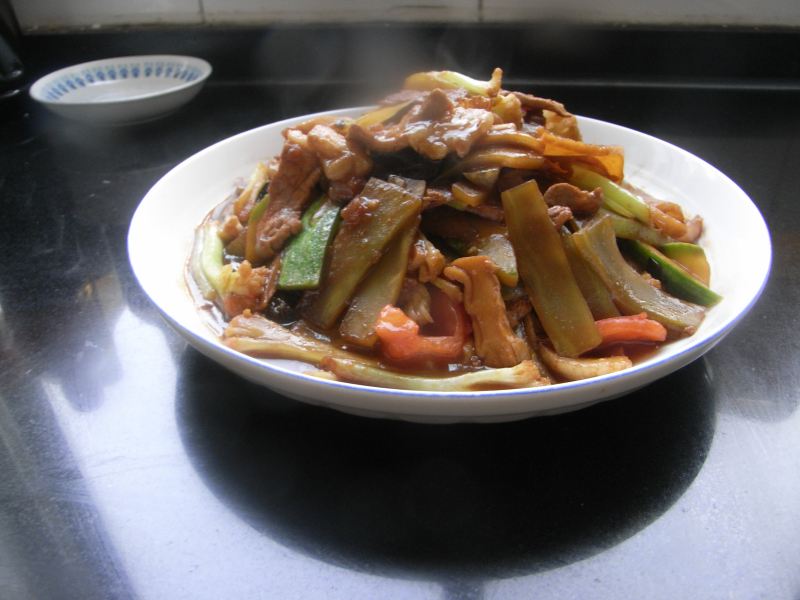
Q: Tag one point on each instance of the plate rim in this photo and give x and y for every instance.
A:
(633, 376)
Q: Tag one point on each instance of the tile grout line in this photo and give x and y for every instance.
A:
(202, 7)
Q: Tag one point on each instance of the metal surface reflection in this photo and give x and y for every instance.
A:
(433, 502)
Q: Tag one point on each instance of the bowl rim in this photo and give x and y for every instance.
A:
(632, 374)
(37, 88)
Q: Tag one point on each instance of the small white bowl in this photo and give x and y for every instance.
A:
(128, 89)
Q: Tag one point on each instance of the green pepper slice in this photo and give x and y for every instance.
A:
(304, 256)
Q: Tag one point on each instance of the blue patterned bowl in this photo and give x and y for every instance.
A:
(122, 90)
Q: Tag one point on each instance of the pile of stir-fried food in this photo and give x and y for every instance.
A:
(458, 237)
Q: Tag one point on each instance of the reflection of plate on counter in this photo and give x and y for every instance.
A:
(735, 239)
(122, 90)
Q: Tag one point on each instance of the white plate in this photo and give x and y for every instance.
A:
(736, 241)
(127, 89)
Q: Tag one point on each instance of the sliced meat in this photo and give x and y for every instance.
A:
(566, 127)
(393, 138)
(449, 289)
(425, 260)
(508, 108)
(456, 134)
(667, 224)
(433, 128)
(415, 301)
(379, 139)
(671, 208)
(580, 202)
(559, 215)
(289, 192)
(436, 196)
(340, 159)
(248, 288)
(231, 229)
(434, 107)
(343, 191)
(694, 229)
(495, 342)
(668, 216)
(464, 99)
(459, 97)
(492, 212)
(530, 102)
(327, 142)
(517, 309)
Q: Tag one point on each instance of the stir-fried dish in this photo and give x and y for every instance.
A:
(458, 237)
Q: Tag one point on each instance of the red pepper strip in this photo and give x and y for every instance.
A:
(400, 339)
(635, 328)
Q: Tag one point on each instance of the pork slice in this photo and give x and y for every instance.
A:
(457, 133)
(289, 192)
(559, 215)
(531, 102)
(425, 260)
(581, 202)
(433, 128)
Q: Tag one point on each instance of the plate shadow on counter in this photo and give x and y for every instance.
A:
(450, 503)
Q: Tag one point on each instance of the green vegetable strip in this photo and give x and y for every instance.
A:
(525, 374)
(304, 256)
(252, 230)
(615, 198)
(210, 259)
(381, 287)
(546, 273)
(257, 336)
(380, 212)
(471, 235)
(630, 229)
(676, 279)
(592, 287)
(458, 80)
(691, 256)
(453, 80)
(499, 249)
(632, 293)
(380, 115)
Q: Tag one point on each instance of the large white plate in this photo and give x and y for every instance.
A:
(736, 241)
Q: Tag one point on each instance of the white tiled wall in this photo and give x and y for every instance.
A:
(341, 10)
(657, 12)
(76, 13)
